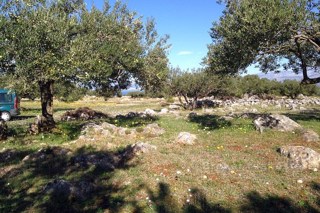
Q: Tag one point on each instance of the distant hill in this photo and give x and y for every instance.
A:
(286, 75)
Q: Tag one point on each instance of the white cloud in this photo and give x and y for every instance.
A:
(185, 53)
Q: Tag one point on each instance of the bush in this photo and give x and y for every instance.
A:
(136, 94)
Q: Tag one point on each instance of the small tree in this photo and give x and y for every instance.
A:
(192, 85)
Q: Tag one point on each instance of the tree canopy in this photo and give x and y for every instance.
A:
(44, 42)
(278, 34)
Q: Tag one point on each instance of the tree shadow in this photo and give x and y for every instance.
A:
(274, 203)
(307, 115)
(163, 201)
(316, 189)
(133, 119)
(56, 179)
(200, 204)
(210, 122)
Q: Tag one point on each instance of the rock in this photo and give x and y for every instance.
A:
(310, 136)
(3, 130)
(82, 113)
(112, 128)
(47, 153)
(174, 107)
(164, 111)
(150, 112)
(186, 138)
(63, 189)
(92, 129)
(102, 161)
(153, 130)
(137, 149)
(141, 147)
(277, 122)
(301, 157)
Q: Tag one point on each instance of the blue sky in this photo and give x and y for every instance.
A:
(187, 22)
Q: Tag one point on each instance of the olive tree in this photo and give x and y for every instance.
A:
(271, 34)
(46, 41)
(192, 85)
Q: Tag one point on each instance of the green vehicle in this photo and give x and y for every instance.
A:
(9, 104)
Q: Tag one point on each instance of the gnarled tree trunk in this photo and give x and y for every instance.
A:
(46, 94)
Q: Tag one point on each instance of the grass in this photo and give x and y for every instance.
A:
(231, 168)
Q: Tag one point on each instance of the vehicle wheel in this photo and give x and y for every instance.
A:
(5, 116)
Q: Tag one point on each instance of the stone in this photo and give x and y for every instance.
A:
(82, 113)
(277, 122)
(186, 138)
(301, 157)
(150, 112)
(66, 189)
(310, 136)
(153, 130)
(137, 149)
(164, 111)
(3, 130)
(47, 153)
(174, 107)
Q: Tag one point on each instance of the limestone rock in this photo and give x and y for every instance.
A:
(164, 111)
(310, 136)
(174, 107)
(186, 138)
(278, 122)
(153, 130)
(150, 112)
(301, 157)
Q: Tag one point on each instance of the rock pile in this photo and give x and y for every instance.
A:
(254, 101)
(82, 113)
(93, 132)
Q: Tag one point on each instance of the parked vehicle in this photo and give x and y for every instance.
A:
(9, 104)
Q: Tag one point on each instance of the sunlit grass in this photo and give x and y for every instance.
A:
(230, 164)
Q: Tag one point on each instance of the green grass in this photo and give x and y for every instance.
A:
(231, 168)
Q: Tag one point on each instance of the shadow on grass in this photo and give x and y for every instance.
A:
(305, 115)
(133, 120)
(163, 201)
(56, 179)
(274, 203)
(210, 122)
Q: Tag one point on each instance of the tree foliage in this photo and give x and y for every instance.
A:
(272, 34)
(44, 42)
(192, 85)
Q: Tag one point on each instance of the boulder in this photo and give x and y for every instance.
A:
(3, 130)
(301, 157)
(186, 138)
(278, 122)
(310, 136)
(153, 130)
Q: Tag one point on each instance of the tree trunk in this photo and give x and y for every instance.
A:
(46, 93)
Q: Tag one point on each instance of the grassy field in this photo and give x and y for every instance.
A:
(232, 167)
